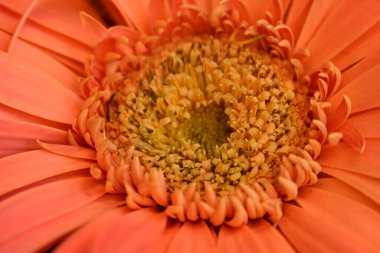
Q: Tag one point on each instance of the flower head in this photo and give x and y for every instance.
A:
(213, 126)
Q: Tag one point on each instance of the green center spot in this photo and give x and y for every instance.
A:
(207, 126)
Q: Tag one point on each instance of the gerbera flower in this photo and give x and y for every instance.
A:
(205, 126)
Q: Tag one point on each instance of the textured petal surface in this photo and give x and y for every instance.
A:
(41, 204)
(129, 233)
(193, 237)
(361, 48)
(135, 13)
(351, 227)
(368, 123)
(80, 240)
(44, 236)
(365, 64)
(334, 185)
(271, 239)
(23, 130)
(43, 61)
(362, 91)
(14, 146)
(333, 35)
(259, 236)
(60, 16)
(344, 158)
(49, 99)
(70, 151)
(368, 185)
(25, 168)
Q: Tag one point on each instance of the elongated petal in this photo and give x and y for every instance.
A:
(193, 237)
(361, 48)
(258, 236)
(9, 113)
(43, 61)
(70, 151)
(362, 91)
(236, 240)
(44, 203)
(14, 146)
(45, 38)
(328, 37)
(260, 8)
(33, 91)
(361, 220)
(367, 123)
(367, 185)
(335, 185)
(25, 168)
(297, 14)
(95, 30)
(316, 14)
(42, 237)
(365, 64)
(344, 158)
(80, 240)
(269, 237)
(59, 16)
(315, 228)
(135, 13)
(129, 233)
(23, 130)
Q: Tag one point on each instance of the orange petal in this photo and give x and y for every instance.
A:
(337, 186)
(362, 91)
(258, 236)
(41, 204)
(337, 117)
(41, 238)
(25, 168)
(21, 22)
(95, 30)
(193, 237)
(256, 9)
(370, 61)
(360, 219)
(44, 62)
(367, 123)
(24, 130)
(205, 6)
(129, 233)
(158, 10)
(270, 237)
(35, 92)
(235, 240)
(59, 16)
(45, 38)
(352, 137)
(8, 113)
(80, 240)
(367, 185)
(343, 157)
(361, 48)
(70, 151)
(313, 229)
(333, 35)
(316, 14)
(297, 14)
(135, 13)
(14, 146)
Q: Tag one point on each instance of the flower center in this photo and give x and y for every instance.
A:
(207, 126)
(211, 115)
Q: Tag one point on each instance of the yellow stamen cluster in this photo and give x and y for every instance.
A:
(211, 112)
